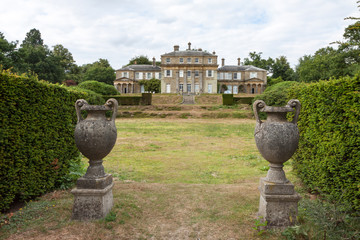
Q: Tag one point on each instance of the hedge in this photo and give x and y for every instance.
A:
(36, 137)
(99, 87)
(228, 99)
(144, 99)
(328, 157)
(92, 97)
(243, 100)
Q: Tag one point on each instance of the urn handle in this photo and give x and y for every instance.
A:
(112, 103)
(78, 104)
(294, 103)
(258, 104)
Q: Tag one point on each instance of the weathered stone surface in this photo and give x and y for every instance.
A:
(277, 140)
(94, 183)
(90, 204)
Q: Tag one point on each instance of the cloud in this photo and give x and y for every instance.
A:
(120, 30)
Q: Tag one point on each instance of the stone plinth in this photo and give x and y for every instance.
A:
(93, 198)
(278, 203)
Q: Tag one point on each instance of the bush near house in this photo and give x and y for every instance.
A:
(228, 99)
(327, 159)
(99, 87)
(92, 97)
(37, 145)
(144, 99)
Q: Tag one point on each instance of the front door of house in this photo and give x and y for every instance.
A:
(189, 88)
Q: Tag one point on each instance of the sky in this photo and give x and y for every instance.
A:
(118, 30)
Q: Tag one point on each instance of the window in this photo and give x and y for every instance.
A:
(196, 73)
(197, 88)
(148, 75)
(235, 76)
(228, 75)
(168, 88)
(221, 76)
(235, 90)
(188, 60)
(125, 74)
(181, 73)
(209, 73)
(209, 60)
(167, 60)
(253, 75)
(181, 87)
(189, 74)
(140, 75)
(189, 87)
(196, 60)
(181, 60)
(157, 75)
(209, 88)
(137, 75)
(168, 73)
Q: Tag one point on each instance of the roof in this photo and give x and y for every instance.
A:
(234, 68)
(188, 53)
(140, 67)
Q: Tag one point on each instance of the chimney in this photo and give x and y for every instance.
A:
(154, 63)
(189, 46)
(214, 52)
(200, 49)
(222, 62)
(176, 48)
(239, 61)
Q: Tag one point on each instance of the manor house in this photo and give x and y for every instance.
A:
(192, 71)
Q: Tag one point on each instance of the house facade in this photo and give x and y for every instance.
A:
(241, 79)
(189, 71)
(128, 78)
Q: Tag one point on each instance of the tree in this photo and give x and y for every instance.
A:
(257, 61)
(66, 58)
(140, 60)
(7, 52)
(152, 85)
(33, 38)
(100, 71)
(281, 68)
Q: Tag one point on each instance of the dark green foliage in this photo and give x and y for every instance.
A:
(144, 99)
(99, 87)
(152, 85)
(243, 100)
(140, 60)
(228, 99)
(100, 71)
(276, 95)
(91, 97)
(327, 160)
(36, 138)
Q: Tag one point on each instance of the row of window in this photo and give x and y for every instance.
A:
(189, 60)
(141, 75)
(236, 75)
(209, 73)
(188, 88)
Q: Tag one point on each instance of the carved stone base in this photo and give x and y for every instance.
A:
(278, 204)
(90, 204)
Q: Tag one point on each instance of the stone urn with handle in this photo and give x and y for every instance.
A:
(277, 140)
(95, 136)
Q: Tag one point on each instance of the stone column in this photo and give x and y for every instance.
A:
(185, 81)
(201, 81)
(177, 82)
(193, 81)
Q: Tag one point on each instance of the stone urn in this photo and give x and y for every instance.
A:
(95, 136)
(277, 140)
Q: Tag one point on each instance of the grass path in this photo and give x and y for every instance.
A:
(174, 179)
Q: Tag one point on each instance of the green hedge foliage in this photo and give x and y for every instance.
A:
(36, 136)
(228, 99)
(99, 87)
(91, 97)
(276, 95)
(243, 100)
(328, 157)
(144, 99)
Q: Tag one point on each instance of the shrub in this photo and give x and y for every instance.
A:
(327, 160)
(37, 145)
(228, 99)
(99, 87)
(276, 95)
(144, 99)
(91, 97)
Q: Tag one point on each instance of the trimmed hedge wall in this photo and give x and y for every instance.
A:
(328, 157)
(144, 99)
(228, 99)
(243, 100)
(36, 136)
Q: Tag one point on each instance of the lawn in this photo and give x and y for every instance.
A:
(174, 179)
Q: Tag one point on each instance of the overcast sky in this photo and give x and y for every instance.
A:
(118, 30)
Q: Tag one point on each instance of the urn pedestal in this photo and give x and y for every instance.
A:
(277, 140)
(95, 136)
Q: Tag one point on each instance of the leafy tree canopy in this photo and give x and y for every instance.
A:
(140, 60)
(100, 71)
